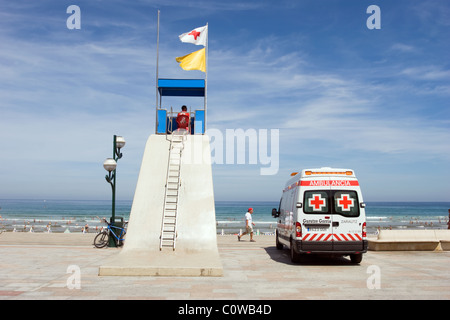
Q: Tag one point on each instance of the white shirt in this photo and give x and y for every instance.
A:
(248, 217)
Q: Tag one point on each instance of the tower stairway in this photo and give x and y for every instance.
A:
(168, 235)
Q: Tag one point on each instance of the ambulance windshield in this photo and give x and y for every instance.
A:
(340, 202)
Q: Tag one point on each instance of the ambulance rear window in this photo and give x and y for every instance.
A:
(346, 203)
(316, 202)
(340, 202)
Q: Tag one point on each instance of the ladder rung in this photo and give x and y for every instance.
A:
(170, 226)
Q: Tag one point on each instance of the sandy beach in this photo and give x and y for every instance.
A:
(223, 228)
(73, 216)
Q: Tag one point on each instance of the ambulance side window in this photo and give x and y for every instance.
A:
(346, 203)
(316, 202)
(283, 203)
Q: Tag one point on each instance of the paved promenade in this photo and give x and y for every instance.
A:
(65, 266)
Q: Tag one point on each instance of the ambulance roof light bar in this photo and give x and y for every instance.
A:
(328, 171)
(348, 173)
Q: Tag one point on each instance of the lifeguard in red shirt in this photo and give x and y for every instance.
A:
(183, 119)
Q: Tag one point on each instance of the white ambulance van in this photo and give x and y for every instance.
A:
(322, 212)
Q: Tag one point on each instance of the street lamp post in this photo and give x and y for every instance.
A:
(110, 165)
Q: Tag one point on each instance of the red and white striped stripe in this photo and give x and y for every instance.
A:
(332, 237)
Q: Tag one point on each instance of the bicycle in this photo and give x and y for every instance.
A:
(102, 239)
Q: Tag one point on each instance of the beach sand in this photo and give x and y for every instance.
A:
(222, 228)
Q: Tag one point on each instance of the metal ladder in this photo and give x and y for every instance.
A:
(169, 221)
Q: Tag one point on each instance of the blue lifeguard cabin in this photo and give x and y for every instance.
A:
(166, 119)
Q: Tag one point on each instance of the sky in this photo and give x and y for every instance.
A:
(340, 94)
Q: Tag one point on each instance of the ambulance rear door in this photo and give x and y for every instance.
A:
(316, 220)
(347, 217)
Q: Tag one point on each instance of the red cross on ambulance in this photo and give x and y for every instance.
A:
(317, 202)
(345, 202)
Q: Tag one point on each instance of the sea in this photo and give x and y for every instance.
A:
(86, 215)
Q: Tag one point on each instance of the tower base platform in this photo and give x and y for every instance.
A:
(144, 263)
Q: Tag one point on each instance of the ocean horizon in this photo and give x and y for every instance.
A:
(73, 215)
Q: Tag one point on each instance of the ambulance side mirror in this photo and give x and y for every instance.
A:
(299, 205)
(275, 213)
(362, 205)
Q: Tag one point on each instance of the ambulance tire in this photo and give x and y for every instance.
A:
(277, 242)
(295, 257)
(356, 258)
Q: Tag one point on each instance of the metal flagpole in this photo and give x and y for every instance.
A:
(157, 70)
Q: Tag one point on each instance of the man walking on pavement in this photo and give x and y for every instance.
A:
(248, 225)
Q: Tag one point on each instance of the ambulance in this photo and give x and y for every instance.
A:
(322, 211)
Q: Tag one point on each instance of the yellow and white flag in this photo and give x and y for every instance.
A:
(193, 61)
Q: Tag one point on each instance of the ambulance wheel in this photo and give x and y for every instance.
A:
(277, 242)
(356, 258)
(295, 257)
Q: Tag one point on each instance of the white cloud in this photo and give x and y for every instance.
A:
(401, 47)
(427, 73)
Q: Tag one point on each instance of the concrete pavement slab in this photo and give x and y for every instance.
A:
(251, 271)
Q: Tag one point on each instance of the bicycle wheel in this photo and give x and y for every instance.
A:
(101, 240)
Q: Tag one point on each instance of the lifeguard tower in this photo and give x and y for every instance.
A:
(172, 227)
(166, 118)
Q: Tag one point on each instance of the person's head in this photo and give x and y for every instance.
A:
(184, 108)
(250, 210)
